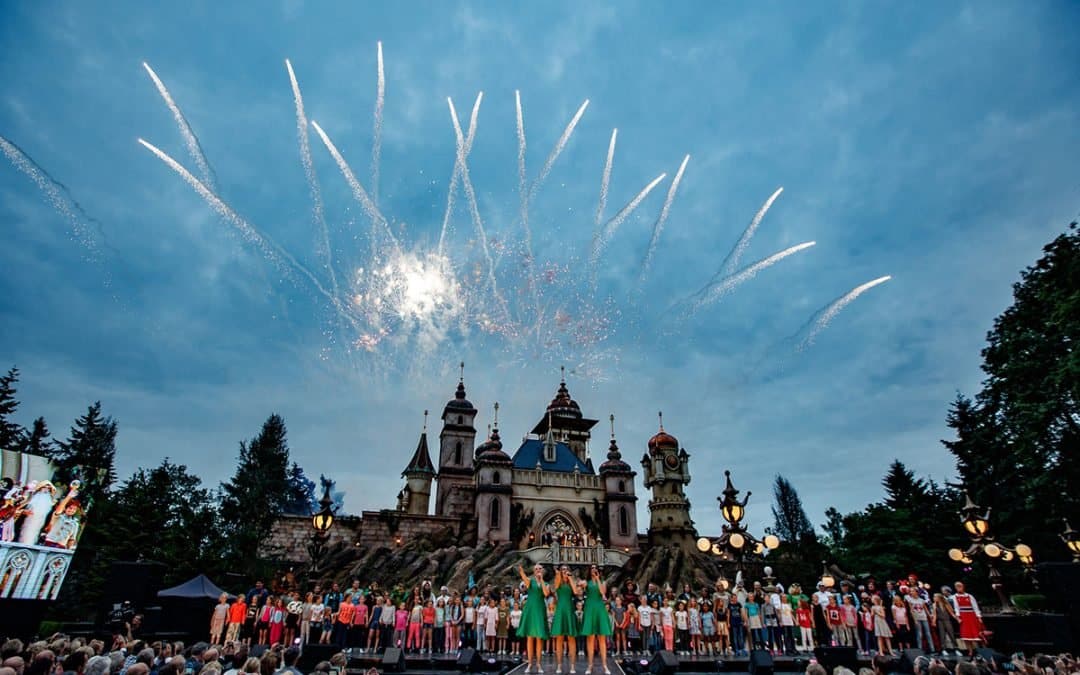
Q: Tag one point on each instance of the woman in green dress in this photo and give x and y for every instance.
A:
(564, 625)
(595, 623)
(534, 617)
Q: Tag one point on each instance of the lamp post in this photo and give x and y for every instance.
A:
(735, 541)
(976, 523)
(1072, 539)
(827, 579)
(321, 521)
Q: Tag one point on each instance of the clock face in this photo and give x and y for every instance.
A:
(671, 462)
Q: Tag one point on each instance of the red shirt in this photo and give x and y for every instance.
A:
(360, 617)
(803, 616)
(346, 612)
(428, 615)
(237, 612)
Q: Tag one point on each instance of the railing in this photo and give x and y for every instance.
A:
(576, 556)
(31, 571)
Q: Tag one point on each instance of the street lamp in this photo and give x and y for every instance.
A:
(735, 543)
(827, 578)
(1072, 539)
(321, 521)
(976, 522)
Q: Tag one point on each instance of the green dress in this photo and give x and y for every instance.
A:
(534, 614)
(564, 622)
(595, 620)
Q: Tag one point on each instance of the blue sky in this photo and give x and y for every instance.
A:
(934, 143)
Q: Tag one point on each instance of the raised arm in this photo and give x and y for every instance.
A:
(524, 577)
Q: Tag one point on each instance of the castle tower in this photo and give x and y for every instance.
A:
(494, 470)
(416, 497)
(563, 417)
(618, 480)
(456, 442)
(666, 473)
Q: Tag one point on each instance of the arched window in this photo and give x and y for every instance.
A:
(624, 521)
(457, 453)
(496, 478)
(460, 419)
(496, 513)
(622, 486)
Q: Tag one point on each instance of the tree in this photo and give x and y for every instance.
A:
(89, 453)
(301, 498)
(255, 496)
(11, 433)
(800, 550)
(38, 442)
(1016, 439)
(902, 490)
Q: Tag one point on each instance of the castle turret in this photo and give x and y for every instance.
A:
(494, 470)
(666, 472)
(456, 441)
(563, 417)
(618, 480)
(418, 475)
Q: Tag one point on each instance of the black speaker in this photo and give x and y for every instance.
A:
(761, 662)
(907, 660)
(470, 661)
(992, 656)
(831, 657)
(257, 650)
(314, 654)
(393, 661)
(663, 663)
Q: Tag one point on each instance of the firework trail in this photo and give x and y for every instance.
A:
(376, 134)
(190, 139)
(605, 180)
(522, 179)
(715, 291)
(731, 262)
(361, 195)
(603, 236)
(317, 208)
(455, 175)
(268, 246)
(658, 226)
(470, 194)
(560, 145)
(820, 320)
(60, 198)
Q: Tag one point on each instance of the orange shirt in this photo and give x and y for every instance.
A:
(237, 612)
(345, 612)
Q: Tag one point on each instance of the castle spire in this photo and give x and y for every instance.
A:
(661, 415)
(421, 459)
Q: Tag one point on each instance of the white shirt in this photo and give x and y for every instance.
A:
(667, 616)
(645, 614)
(822, 598)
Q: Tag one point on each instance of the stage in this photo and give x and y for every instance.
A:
(622, 665)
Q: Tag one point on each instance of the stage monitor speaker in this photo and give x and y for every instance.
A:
(257, 651)
(992, 655)
(314, 654)
(761, 662)
(663, 663)
(393, 661)
(907, 660)
(470, 661)
(831, 657)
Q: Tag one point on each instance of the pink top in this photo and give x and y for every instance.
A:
(401, 619)
(899, 615)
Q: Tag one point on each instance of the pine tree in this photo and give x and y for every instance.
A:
(791, 524)
(902, 490)
(301, 499)
(255, 496)
(89, 453)
(39, 441)
(12, 435)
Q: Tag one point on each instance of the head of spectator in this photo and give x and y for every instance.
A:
(10, 648)
(966, 667)
(138, 669)
(815, 669)
(251, 666)
(16, 663)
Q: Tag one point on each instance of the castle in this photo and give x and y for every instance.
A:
(547, 497)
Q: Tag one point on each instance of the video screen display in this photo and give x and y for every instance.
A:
(43, 512)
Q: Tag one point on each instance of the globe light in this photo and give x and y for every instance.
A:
(1023, 550)
(737, 540)
(956, 555)
(992, 550)
(767, 571)
(772, 541)
(704, 545)
(732, 513)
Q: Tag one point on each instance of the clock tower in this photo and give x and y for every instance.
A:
(666, 472)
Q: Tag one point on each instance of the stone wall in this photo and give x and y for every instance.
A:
(394, 528)
(290, 536)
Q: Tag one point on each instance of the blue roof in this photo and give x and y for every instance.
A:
(532, 451)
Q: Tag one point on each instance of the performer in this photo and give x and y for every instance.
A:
(237, 615)
(534, 617)
(564, 626)
(218, 618)
(596, 624)
(967, 611)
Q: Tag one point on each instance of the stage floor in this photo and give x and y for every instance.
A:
(509, 665)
